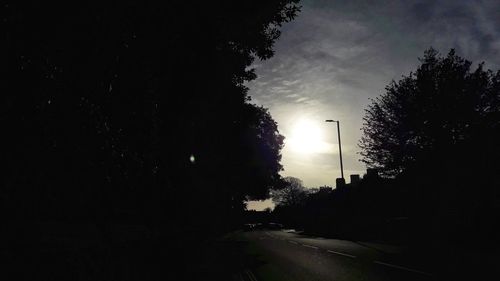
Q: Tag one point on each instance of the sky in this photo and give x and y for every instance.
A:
(336, 55)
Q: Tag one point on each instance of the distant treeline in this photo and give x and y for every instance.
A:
(390, 210)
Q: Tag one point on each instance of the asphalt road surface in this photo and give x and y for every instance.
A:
(289, 256)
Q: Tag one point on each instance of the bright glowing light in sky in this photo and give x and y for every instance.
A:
(307, 138)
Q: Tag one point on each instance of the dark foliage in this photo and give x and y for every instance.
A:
(136, 112)
(292, 194)
(363, 211)
(106, 104)
(438, 130)
(442, 108)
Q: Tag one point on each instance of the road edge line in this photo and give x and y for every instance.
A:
(402, 268)
(342, 254)
(310, 246)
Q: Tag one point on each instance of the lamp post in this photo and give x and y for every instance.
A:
(340, 146)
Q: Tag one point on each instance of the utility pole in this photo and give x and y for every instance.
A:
(340, 146)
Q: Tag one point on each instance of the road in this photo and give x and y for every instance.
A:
(289, 256)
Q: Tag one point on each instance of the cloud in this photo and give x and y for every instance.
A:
(279, 90)
(337, 54)
(290, 83)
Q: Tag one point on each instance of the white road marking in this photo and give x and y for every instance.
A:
(402, 268)
(250, 275)
(309, 246)
(342, 254)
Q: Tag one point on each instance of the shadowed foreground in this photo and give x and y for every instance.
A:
(137, 253)
(279, 255)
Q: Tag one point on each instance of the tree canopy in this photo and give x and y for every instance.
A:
(444, 111)
(292, 194)
(138, 105)
(437, 132)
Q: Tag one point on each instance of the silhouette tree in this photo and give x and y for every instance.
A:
(293, 194)
(442, 105)
(134, 106)
(134, 112)
(437, 130)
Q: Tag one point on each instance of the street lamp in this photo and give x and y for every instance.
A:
(340, 146)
